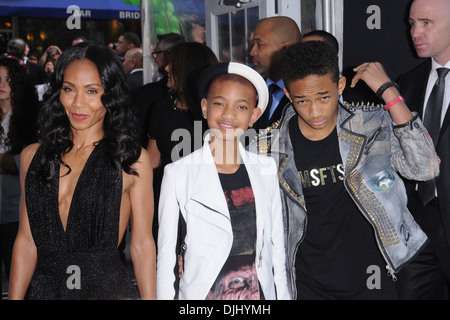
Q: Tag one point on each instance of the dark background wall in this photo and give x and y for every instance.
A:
(390, 44)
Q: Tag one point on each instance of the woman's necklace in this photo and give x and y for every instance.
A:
(177, 105)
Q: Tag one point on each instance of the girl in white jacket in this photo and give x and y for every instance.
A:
(228, 199)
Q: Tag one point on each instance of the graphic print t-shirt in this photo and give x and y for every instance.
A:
(238, 279)
(339, 245)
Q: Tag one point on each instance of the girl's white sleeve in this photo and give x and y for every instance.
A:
(168, 213)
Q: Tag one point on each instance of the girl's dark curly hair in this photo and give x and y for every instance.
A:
(119, 125)
(25, 107)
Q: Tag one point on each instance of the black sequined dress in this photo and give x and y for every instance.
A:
(81, 262)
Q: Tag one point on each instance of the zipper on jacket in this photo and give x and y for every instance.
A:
(293, 276)
(391, 273)
(293, 273)
(371, 141)
(292, 266)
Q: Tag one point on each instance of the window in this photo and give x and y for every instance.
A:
(234, 34)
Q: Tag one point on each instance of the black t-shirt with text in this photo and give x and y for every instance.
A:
(338, 254)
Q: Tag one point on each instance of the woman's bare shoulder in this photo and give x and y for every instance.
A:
(28, 153)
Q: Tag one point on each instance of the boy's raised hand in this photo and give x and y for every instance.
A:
(372, 73)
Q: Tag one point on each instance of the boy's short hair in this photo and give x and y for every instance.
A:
(234, 68)
(304, 59)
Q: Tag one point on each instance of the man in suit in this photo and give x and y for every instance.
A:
(133, 67)
(271, 36)
(428, 276)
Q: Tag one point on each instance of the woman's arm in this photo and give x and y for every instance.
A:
(142, 245)
(24, 252)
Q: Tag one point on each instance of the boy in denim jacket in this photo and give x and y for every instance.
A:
(344, 203)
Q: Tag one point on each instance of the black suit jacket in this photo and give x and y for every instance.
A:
(135, 80)
(264, 121)
(144, 98)
(412, 87)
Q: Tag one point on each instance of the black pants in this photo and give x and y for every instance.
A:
(427, 277)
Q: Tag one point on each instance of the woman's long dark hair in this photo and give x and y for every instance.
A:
(24, 105)
(187, 61)
(120, 135)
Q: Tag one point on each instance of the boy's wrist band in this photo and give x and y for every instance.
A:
(384, 87)
(390, 104)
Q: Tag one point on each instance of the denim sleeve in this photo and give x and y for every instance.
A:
(413, 153)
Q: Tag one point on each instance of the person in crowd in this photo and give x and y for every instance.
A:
(145, 98)
(49, 68)
(322, 35)
(78, 39)
(427, 91)
(344, 203)
(16, 49)
(133, 67)
(19, 108)
(24, 59)
(162, 49)
(52, 54)
(178, 113)
(126, 41)
(33, 57)
(229, 200)
(81, 184)
(271, 37)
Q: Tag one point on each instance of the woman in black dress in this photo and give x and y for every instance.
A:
(81, 184)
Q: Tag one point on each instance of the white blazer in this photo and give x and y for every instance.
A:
(191, 186)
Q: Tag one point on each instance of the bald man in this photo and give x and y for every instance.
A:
(271, 36)
(428, 276)
(133, 67)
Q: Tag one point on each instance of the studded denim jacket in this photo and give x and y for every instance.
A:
(374, 152)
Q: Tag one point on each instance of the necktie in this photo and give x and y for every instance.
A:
(432, 121)
(272, 89)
